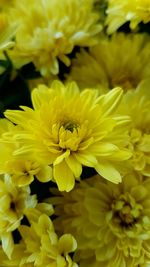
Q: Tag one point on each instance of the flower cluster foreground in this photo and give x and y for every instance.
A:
(74, 133)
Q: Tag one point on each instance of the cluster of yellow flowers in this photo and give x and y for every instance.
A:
(75, 163)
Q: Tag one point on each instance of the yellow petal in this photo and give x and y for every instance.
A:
(103, 149)
(45, 174)
(62, 157)
(107, 170)
(64, 177)
(38, 94)
(121, 155)
(74, 165)
(110, 101)
(45, 208)
(44, 224)
(86, 159)
(22, 180)
(7, 244)
(67, 244)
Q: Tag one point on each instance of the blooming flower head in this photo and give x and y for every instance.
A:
(13, 203)
(21, 169)
(111, 223)
(40, 246)
(122, 60)
(43, 246)
(50, 30)
(121, 11)
(68, 128)
(136, 104)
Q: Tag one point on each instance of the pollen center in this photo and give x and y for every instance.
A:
(69, 135)
(126, 210)
(70, 126)
(126, 81)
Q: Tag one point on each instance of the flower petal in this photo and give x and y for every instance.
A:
(7, 244)
(64, 177)
(74, 165)
(86, 159)
(107, 170)
(110, 100)
(67, 243)
(45, 174)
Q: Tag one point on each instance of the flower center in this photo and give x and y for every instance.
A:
(70, 126)
(69, 135)
(126, 210)
(140, 147)
(124, 80)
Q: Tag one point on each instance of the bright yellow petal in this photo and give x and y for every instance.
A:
(62, 157)
(45, 174)
(64, 177)
(74, 165)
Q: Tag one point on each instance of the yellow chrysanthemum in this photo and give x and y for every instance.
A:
(42, 247)
(21, 169)
(136, 104)
(111, 223)
(122, 60)
(68, 128)
(121, 11)
(49, 31)
(13, 204)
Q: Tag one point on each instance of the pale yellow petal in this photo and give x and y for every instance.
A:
(108, 171)
(7, 244)
(110, 101)
(67, 244)
(86, 159)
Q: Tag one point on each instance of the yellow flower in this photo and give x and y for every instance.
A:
(111, 223)
(41, 246)
(68, 128)
(13, 204)
(136, 104)
(122, 60)
(21, 169)
(121, 11)
(49, 31)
